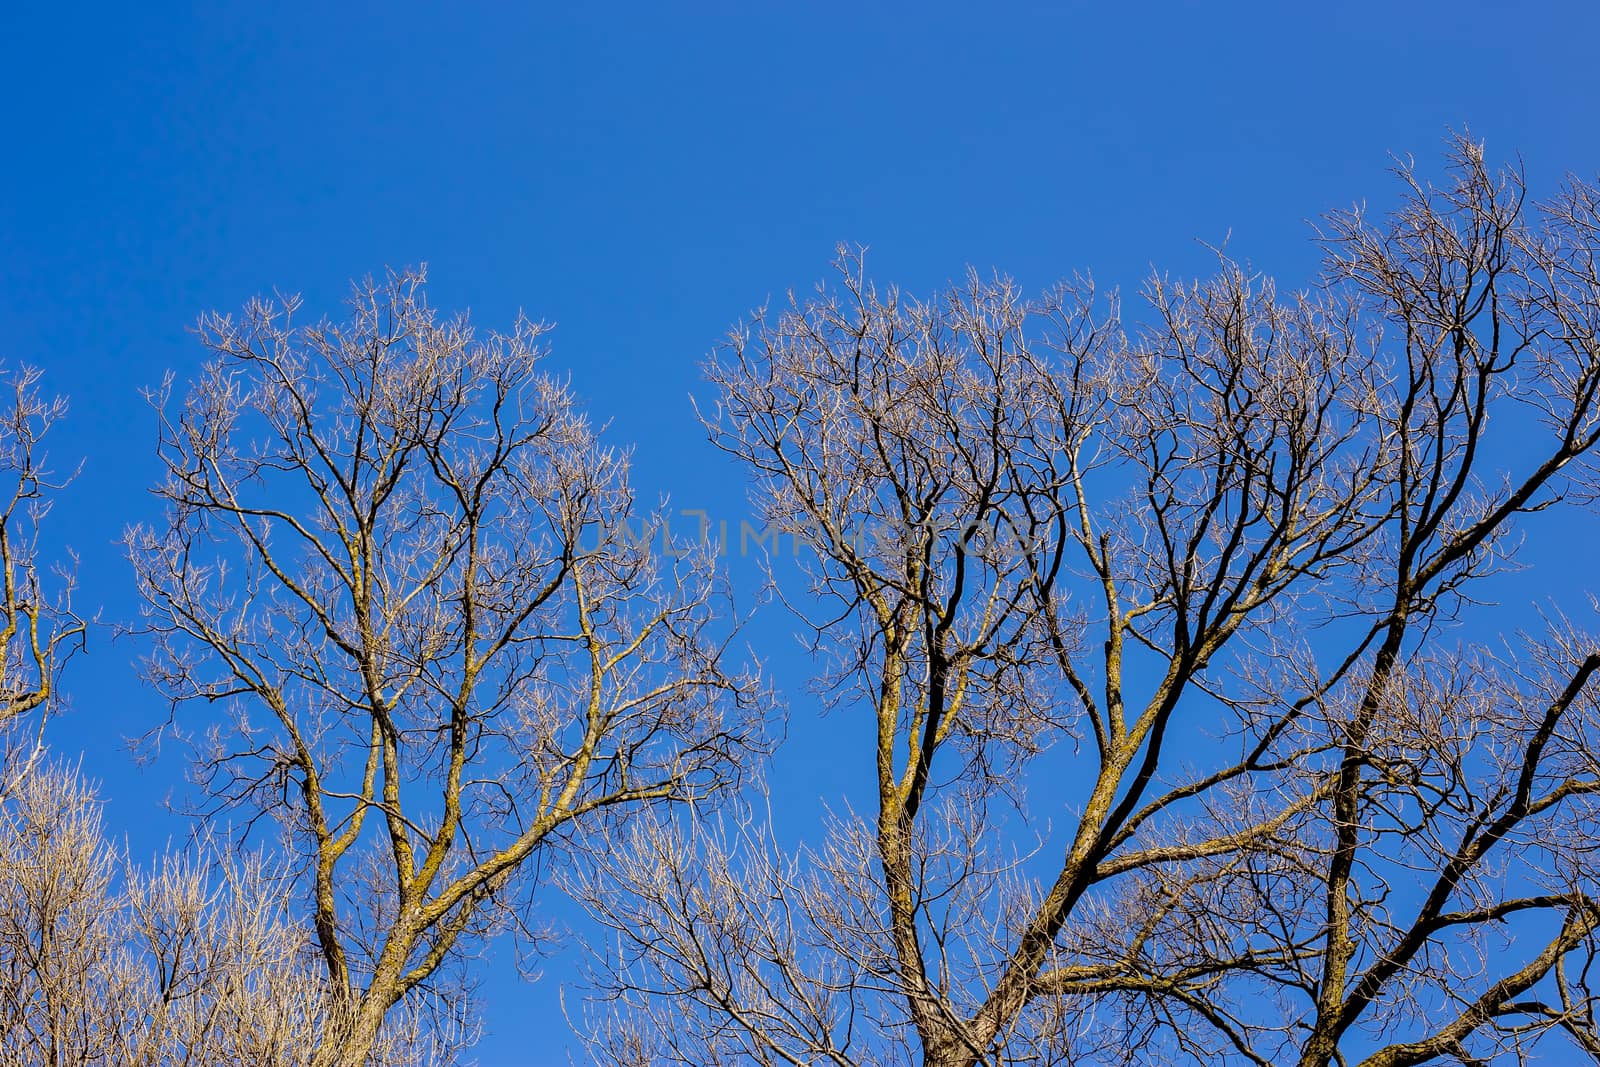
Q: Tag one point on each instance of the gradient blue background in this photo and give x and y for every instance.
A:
(644, 175)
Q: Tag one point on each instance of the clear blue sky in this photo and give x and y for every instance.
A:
(644, 175)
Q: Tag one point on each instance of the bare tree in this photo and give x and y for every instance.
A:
(1209, 583)
(192, 961)
(39, 631)
(400, 559)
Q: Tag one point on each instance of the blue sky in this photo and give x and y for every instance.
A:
(643, 175)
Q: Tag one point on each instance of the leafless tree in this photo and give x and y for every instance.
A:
(39, 630)
(1208, 583)
(447, 643)
(194, 960)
